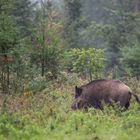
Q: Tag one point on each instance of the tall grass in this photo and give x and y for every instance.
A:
(48, 116)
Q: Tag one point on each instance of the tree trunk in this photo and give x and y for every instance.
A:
(5, 74)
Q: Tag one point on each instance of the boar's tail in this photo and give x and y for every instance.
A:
(136, 97)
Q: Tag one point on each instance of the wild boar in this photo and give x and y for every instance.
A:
(108, 91)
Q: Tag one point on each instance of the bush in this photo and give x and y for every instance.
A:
(86, 62)
(15, 127)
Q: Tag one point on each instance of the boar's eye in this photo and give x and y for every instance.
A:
(78, 91)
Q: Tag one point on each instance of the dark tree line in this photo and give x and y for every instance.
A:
(35, 36)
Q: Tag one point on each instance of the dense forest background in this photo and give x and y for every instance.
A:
(93, 38)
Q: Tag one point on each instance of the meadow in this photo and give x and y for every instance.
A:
(48, 116)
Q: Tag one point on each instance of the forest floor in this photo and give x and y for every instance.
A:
(48, 116)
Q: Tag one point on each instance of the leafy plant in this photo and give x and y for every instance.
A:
(47, 48)
(86, 62)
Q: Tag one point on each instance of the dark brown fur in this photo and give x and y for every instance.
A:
(109, 91)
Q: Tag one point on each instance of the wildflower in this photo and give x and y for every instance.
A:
(27, 93)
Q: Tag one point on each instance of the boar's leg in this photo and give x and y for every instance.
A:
(85, 108)
(108, 101)
(124, 101)
(98, 105)
(127, 105)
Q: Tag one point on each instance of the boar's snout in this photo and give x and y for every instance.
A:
(74, 106)
(79, 103)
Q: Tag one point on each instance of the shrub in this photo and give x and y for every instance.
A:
(86, 62)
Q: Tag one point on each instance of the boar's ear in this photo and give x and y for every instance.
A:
(76, 88)
(78, 91)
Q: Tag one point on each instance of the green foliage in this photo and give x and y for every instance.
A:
(8, 29)
(53, 56)
(8, 39)
(124, 33)
(86, 62)
(131, 59)
(23, 12)
(112, 25)
(48, 116)
(95, 33)
(32, 54)
(47, 49)
(11, 126)
(72, 22)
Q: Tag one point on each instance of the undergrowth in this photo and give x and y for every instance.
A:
(48, 116)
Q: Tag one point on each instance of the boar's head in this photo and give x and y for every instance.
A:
(80, 103)
(78, 92)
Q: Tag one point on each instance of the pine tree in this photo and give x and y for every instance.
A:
(8, 37)
(72, 23)
(24, 13)
(47, 40)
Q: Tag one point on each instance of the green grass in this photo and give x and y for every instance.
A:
(48, 116)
